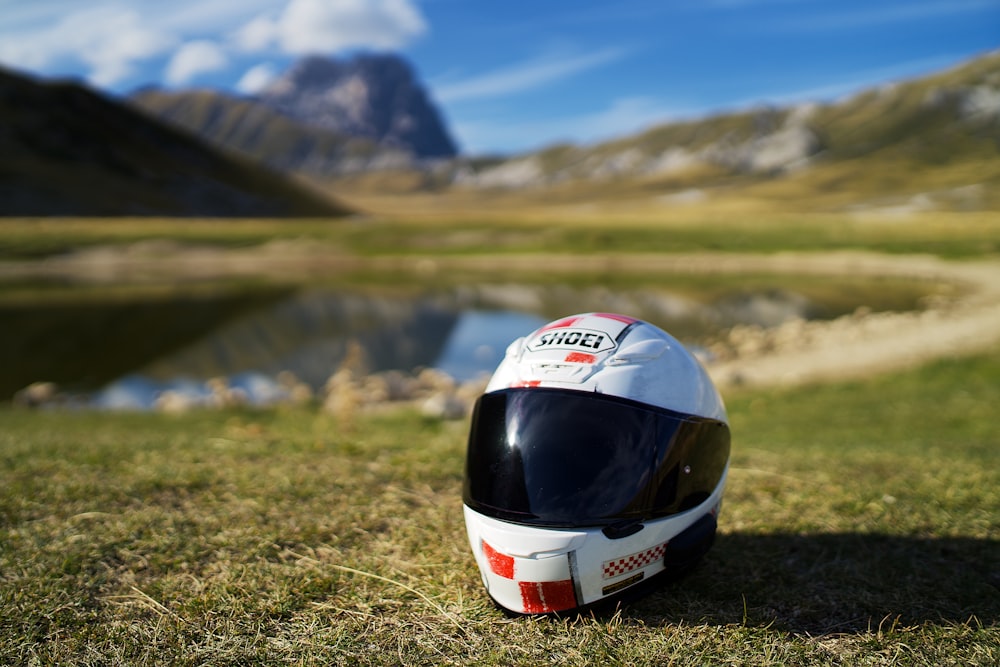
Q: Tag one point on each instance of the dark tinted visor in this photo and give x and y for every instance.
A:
(557, 457)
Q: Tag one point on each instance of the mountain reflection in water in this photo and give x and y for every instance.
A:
(309, 335)
(463, 331)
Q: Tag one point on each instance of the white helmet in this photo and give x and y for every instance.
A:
(597, 458)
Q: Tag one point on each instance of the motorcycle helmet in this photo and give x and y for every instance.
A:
(596, 462)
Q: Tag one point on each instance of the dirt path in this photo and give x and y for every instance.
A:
(796, 352)
(867, 343)
(850, 347)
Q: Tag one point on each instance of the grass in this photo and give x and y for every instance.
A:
(860, 527)
(429, 227)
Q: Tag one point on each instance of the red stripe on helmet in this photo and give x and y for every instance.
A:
(618, 318)
(542, 597)
(500, 564)
(561, 324)
(580, 358)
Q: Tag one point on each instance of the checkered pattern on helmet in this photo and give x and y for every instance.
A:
(613, 568)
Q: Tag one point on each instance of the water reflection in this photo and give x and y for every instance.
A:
(308, 334)
(479, 339)
(472, 347)
(139, 392)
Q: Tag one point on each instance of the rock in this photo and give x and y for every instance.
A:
(444, 405)
(372, 96)
(36, 394)
(175, 402)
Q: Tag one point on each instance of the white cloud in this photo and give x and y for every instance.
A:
(205, 16)
(114, 40)
(26, 52)
(256, 78)
(622, 117)
(878, 15)
(843, 85)
(521, 77)
(257, 35)
(326, 26)
(193, 59)
(110, 41)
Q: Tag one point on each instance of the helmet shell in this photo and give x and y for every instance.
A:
(529, 568)
(615, 355)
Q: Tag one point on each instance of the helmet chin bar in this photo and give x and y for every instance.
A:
(530, 570)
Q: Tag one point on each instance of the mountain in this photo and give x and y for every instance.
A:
(322, 117)
(929, 142)
(67, 150)
(374, 96)
(935, 137)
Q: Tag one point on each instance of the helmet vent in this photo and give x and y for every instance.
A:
(645, 350)
(620, 529)
(561, 372)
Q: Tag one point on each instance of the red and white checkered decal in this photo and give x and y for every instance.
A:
(613, 568)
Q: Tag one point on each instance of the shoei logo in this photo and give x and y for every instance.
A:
(572, 339)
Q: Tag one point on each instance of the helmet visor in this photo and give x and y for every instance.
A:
(558, 457)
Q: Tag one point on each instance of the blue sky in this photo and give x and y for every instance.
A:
(515, 75)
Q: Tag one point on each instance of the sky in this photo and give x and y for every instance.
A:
(512, 76)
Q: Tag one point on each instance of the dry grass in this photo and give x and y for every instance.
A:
(431, 225)
(860, 527)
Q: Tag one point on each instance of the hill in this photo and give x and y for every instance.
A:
(67, 150)
(260, 133)
(930, 143)
(933, 141)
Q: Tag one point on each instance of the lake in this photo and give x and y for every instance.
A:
(121, 350)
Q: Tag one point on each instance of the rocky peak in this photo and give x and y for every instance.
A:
(372, 96)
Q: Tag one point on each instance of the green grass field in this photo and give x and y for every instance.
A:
(861, 526)
(414, 226)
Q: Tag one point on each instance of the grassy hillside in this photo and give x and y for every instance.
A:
(930, 143)
(859, 527)
(70, 151)
(431, 226)
(254, 130)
